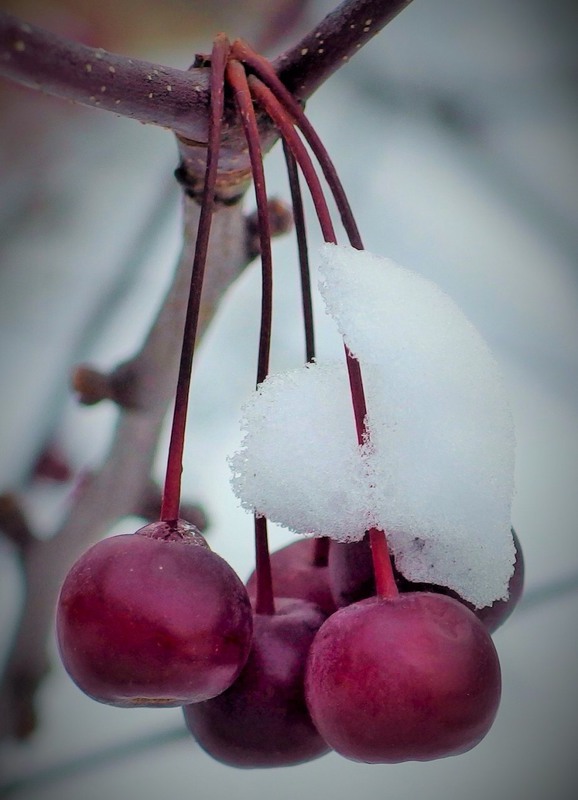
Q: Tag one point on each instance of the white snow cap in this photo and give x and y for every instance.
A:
(437, 471)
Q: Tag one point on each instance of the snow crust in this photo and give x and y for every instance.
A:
(437, 469)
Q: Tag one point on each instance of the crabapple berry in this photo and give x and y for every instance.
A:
(153, 618)
(296, 573)
(262, 720)
(351, 578)
(412, 677)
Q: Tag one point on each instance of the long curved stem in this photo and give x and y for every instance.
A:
(301, 234)
(266, 73)
(237, 79)
(172, 490)
(385, 582)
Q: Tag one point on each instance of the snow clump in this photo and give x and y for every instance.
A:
(437, 469)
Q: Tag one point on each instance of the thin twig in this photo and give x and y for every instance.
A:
(116, 490)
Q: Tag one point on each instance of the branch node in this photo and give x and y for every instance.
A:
(52, 465)
(21, 717)
(93, 386)
(149, 508)
(231, 186)
(280, 222)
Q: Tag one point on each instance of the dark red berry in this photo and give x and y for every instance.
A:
(415, 677)
(153, 618)
(297, 572)
(351, 578)
(262, 720)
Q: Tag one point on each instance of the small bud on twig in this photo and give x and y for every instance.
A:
(280, 222)
(52, 465)
(93, 386)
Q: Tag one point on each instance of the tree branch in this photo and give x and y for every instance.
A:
(331, 44)
(148, 92)
(173, 98)
(122, 486)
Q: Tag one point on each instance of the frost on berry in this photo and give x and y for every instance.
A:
(437, 472)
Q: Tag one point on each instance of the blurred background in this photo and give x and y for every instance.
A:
(455, 133)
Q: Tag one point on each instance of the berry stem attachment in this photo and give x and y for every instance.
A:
(172, 489)
(385, 585)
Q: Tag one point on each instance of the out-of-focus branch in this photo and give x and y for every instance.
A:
(123, 483)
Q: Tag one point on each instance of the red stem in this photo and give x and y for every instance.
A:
(276, 100)
(172, 489)
(265, 600)
(284, 98)
(301, 235)
(385, 585)
(237, 79)
(267, 74)
(290, 136)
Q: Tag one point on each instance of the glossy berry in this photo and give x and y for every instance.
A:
(153, 618)
(262, 720)
(350, 571)
(415, 677)
(297, 573)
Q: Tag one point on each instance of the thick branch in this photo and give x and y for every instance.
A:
(150, 93)
(173, 98)
(340, 35)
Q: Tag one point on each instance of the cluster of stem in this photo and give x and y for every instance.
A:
(253, 81)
